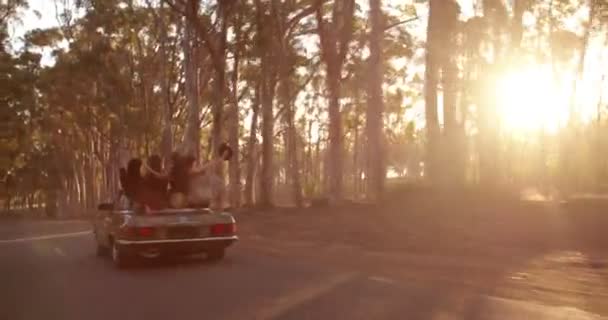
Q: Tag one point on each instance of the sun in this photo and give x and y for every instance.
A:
(528, 101)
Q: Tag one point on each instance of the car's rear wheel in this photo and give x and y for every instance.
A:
(120, 258)
(216, 254)
(102, 251)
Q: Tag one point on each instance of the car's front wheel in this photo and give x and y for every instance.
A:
(120, 258)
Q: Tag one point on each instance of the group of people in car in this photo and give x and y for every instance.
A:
(181, 183)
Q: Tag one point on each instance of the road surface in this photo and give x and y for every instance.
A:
(49, 270)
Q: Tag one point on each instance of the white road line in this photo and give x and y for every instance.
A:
(299, 297)
(500, 308)
(47, 237)
(382, 279)
(59, 252)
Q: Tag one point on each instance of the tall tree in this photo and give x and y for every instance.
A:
(375, 105)
(453, 146)
(431, 80)
(234, 171)
(267, 87)
(190, 45)
(335, 36)
(166, 146)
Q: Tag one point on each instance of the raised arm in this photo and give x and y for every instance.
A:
(200, 169)
(154, 172)
(209, 164)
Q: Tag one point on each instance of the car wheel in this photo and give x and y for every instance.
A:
(216, 254)
(120, 258)
(102, 251)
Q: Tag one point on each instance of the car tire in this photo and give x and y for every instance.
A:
(120, 258)
(102, 251)
(216, 254)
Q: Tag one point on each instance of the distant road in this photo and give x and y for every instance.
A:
(49, 271)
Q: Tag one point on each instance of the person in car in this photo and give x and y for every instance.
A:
(130, 178)
(176, 178)
(153, 189)
(157, 182)
(206, 187)
(195, 185)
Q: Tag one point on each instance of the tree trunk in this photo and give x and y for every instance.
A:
(309, 176)
(267, 98)
(431, 168)
(294, 162)
(336, 141)
(192, 134)
(488, 121)
(267, 191)
(581, 60)
(454, 136)
(453, 157)
(375, 106)
(335, 38)
(166, 145)
(220, 75)
(252, 155)
(291, 150)
(319, 181)
(234, 171)
(519, 7)
(356, 154)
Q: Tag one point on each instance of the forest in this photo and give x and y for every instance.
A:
(319, 99)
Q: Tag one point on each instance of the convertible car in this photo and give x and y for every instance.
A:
(128, 234)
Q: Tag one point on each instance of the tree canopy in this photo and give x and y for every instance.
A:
(318, 98)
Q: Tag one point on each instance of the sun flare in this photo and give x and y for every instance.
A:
(529, 101)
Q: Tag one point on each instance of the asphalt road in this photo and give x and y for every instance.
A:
(50, 271)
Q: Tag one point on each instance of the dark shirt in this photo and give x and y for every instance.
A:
(156, 184)
(179, 181)
(152, 192)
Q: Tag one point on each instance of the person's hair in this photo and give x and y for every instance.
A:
(189, 160)
(155, 162)
(181, 164)
(133, 167)
(174, 156)
(224, 147)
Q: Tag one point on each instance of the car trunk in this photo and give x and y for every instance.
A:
(177, 223)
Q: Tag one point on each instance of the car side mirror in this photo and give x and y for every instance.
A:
(105, 207)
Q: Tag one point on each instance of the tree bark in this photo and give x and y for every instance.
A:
(166, 146)
(453, 165)
(267, 191)
(294, 163)
(375, 106)
(356, 154)
(234, 171)
(581, 59)
(252, 155)
(220, 83)
(192, 134)
(336, 142)
(335, 37)
(267, 99)
(430, 95)
(519, 7)
(291, 151)
(286, 63)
